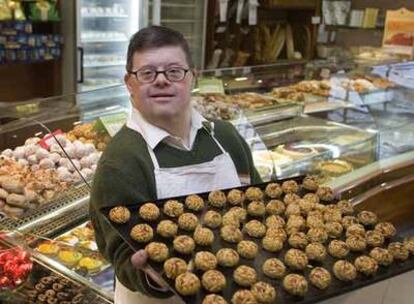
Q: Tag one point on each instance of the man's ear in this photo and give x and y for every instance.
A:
(127, 78)
(195, 73)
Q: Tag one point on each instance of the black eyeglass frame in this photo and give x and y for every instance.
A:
(164, 72)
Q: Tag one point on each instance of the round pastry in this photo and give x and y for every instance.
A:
(188, 221)
(194, 202)
(243, 296)
(212, 219)
(92, 265)
(298, 240)
(69, 239)
(296, 221)
(119, 215)
(157, 252)
(227, 257)
(292, 209)
(346, 207)
(272, 244)
(356, 243)
(367, 218)
(375, 238)
(256, 208)
(254, 228)
(319, 207)
(334, 229)
(296, 259)
(231, 234)
(344, 271)
(173, 267)
(184, 244)
(317, 235)
(263, 292)
(312, 198)
(254, 194)
(217, 198)
(398, 251)
(273, 190)
(167, 228)
(245, 276)
(366, 265)
(332, 215)
(338, 249)
(305, 206)
(291, 198)
(213, 281)
(69, 257)
(240, 212)
(235, 197)
(409, 244)
(231, 218)
(275, 207)
(315, 222)
(203, 236)
(187, 284)
(173, 208)
(149, 212)
(325, 194)
(275, 221)
(387, 229)
(205, 260)
(274, 268)
(276, 233)
(142, 233)
(316, 213)
(214, 299)
(48, 248)
(290, 186)
(295, 284)
(349, 220)
(247, 249)
(310, 183)
(320, 277)
(355, 229)
(382, 256)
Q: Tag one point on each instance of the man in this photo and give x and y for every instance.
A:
(166, 149)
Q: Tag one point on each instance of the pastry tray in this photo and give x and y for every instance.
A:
(313, 295)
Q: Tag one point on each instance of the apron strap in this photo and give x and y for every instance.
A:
(211, 132)
(153, 157)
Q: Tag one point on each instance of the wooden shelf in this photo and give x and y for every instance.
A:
(347, 27)
(290, 4)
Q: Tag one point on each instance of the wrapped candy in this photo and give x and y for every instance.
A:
(32, 159)
(7, 153)
(46, 163)
(19, 152)
(30, 149)
(32, 141)
(41, 153)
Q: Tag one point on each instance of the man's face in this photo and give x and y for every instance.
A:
(160, 99)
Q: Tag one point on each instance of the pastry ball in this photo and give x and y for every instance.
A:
(276, 233)
(409, 244)
(274, 268)
(398, 250)
(245, 276)
(157, 252)
(214, 299)
(320, 277)
(187, 284)
(325, 194)
(349, 220)
(142, 233)
(355, 229)
(167, 229)
(231, 234)
(254, 194)
(296, 221)
(334, 229)
(315, 222)
(338, 249)
(119, 215)
(247, 249)
(194, 202)
(173, 208)
(319, 207)
(213, 281)
(382, 256)
(305, 206)
(387, 229)
(296, 259)
(235, 197)
(310, 183)
(227, 257)
(173, 267)
(254, 228)
(205, 260)
(356, 243)
(149, 212)
(316, 252)
(375, 238)
(256, 208)
(275, 221)
(366, 265)
(240, 212)
(291, 198)
(184, 244)
(292, 209)
(188, 221)
(332, 215)
(367, 218)
(272, 244)
(273, 190)
(344, 271)
(290, 186)
(203, 236)
(243, 296)
(217, 198)
(231, 218)
(212, 219)
(317, 235)
(263, 292)
(275, 207)
(346, 207)
(295, 284)
(298, 240)
(311, 198)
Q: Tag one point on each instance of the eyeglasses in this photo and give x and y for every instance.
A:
(147, 75)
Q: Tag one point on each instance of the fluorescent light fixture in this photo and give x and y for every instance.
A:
(240, 78)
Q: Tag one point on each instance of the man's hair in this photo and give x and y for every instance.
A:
(154, 37)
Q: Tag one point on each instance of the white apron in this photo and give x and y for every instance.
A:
(220, 173)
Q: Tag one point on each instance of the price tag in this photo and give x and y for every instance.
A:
(316, 20)
(48, 139)
(246, 70)
(210, 85)
(111, 123)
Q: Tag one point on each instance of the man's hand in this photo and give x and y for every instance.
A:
(139, 259)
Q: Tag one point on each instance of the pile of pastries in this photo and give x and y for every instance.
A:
(290, 230)
(85, 133)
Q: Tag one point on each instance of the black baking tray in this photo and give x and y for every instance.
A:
(314, 295)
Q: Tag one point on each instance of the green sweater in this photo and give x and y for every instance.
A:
(125, 175)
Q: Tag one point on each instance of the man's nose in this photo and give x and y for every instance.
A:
(161, 80)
